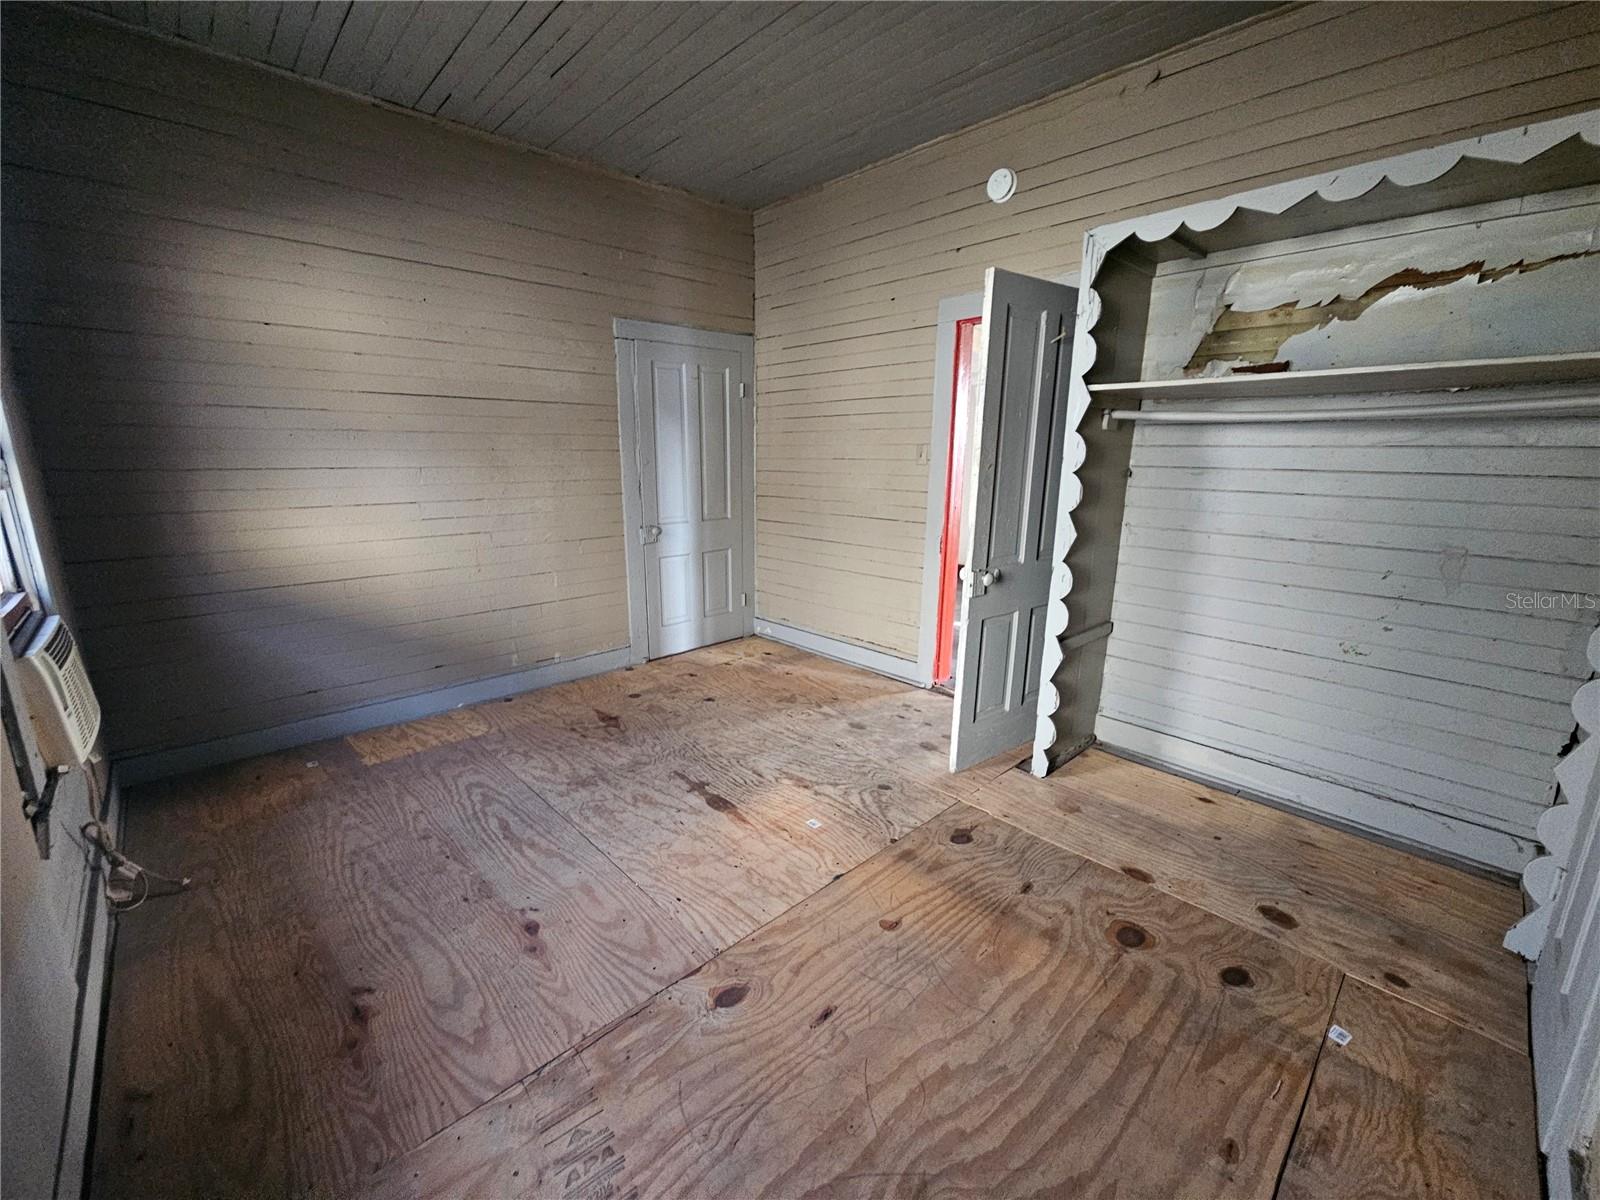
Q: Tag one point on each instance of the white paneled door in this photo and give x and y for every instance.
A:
(1018, 430)
(690, 435)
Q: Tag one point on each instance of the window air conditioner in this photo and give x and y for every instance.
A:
(55, 688)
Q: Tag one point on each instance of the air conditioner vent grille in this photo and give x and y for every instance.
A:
(59, 647)
(65, 712)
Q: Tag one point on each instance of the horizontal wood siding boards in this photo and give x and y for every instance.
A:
(1202, 78)
(849, 277)
(1400, 665)
(326, 395)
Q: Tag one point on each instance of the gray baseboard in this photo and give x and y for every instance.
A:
(1430, 835)
(880, 661)
(158, 764)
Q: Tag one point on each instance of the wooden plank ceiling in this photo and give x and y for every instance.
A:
(742, 102)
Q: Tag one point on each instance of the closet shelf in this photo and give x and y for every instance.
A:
(1351, 381)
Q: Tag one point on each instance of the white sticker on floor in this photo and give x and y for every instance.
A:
(1339, 1035)
(814, 823)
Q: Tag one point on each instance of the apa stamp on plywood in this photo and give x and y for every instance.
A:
(584, 1157)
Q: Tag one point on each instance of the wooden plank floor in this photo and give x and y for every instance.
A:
(721, 925)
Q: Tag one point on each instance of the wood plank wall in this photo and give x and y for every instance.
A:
(1342, 602)
(1384, 618)
(849, 277)
(324, 394)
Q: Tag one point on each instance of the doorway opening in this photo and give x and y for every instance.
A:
(951, 551)
(994, 463)
(950, 408)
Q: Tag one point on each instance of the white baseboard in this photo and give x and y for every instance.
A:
(158, 764)
(879, 661)
(1431, 834)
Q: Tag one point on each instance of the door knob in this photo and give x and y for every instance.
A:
(978, 579)
(650, 534)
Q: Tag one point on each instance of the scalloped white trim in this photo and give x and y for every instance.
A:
(1405, 170)
(1578, 783)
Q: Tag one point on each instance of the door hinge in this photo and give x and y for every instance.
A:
(744, 390)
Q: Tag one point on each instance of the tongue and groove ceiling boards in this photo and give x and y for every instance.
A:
(741, 102)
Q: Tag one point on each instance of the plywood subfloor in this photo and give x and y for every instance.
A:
(1422, 931)
(976, 1013)
(722, 926)
(1415, 1105)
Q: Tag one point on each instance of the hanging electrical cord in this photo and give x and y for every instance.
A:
(127, 884)
(96, 785)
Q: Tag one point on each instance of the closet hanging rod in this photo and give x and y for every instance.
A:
(1553, 407)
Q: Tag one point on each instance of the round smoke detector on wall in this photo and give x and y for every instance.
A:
(1002, 185)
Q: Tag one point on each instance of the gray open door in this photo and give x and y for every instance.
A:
(1019, 426)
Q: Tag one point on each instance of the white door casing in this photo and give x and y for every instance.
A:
(1010, 517)
(687, 449)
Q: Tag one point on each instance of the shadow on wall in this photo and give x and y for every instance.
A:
(244, 554)
(324, 395)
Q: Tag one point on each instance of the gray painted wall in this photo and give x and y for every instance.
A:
(1352, 605)
(324, 394)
